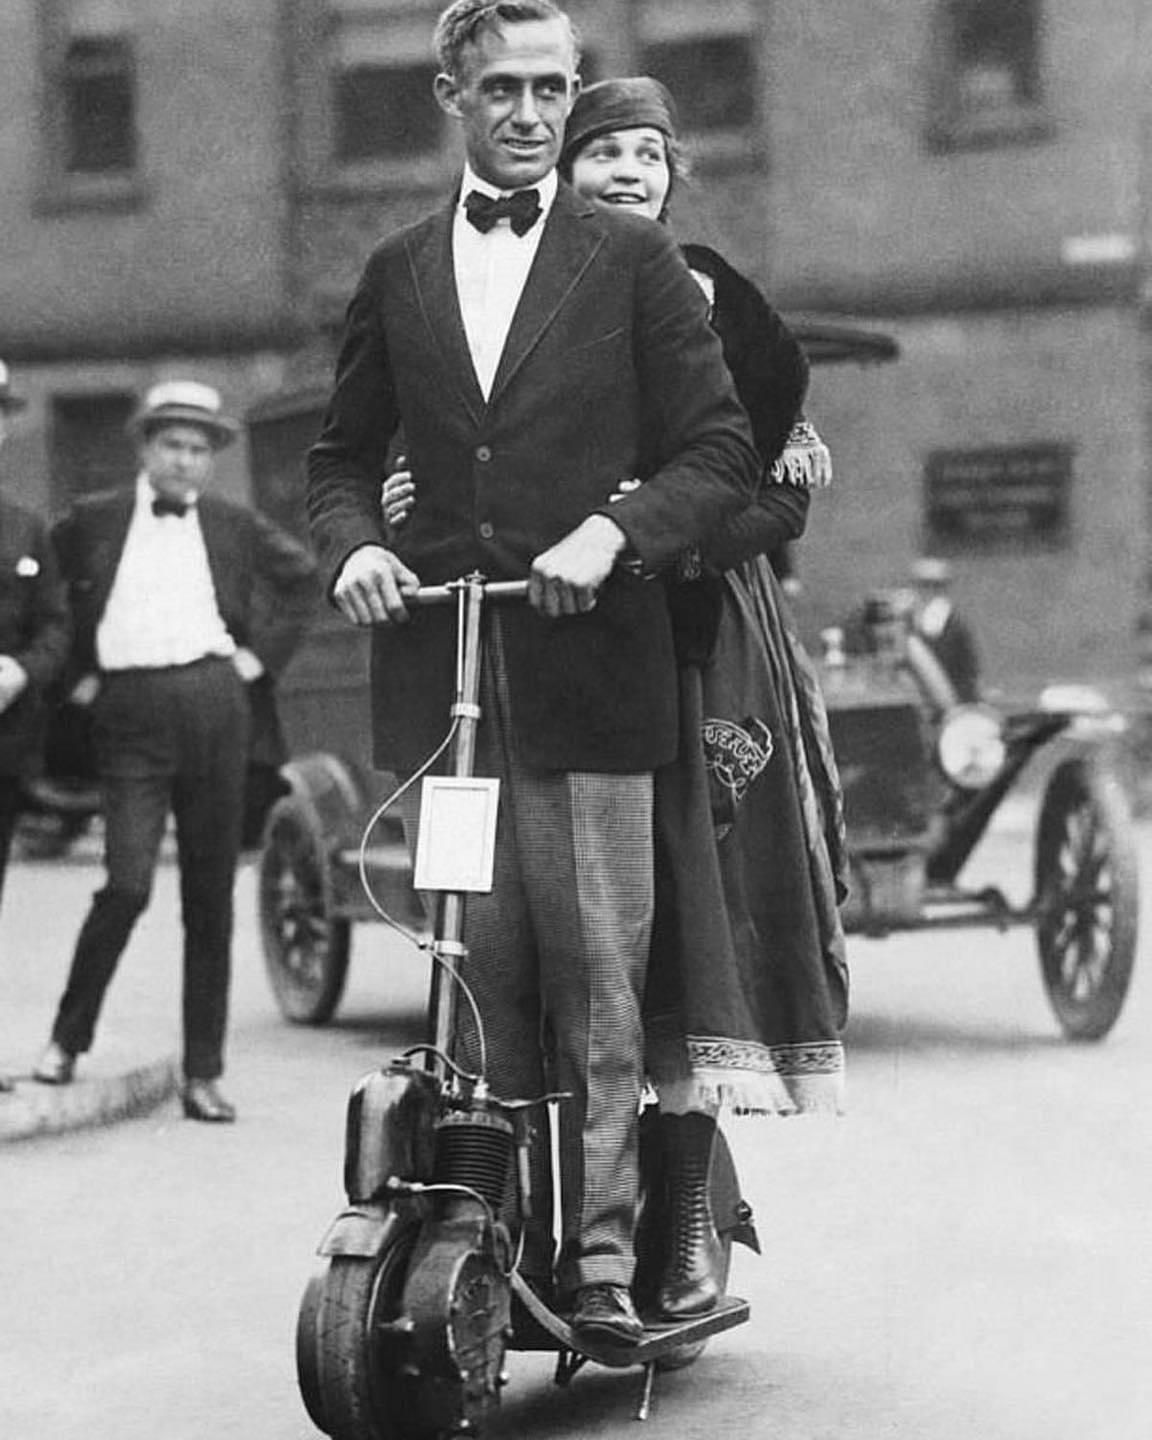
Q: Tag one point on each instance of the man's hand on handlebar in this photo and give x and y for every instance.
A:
(565, 579)
(372, 585)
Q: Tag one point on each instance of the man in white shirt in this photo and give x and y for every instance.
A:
(164, 581)
(538, 350)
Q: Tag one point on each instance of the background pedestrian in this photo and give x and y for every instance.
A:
(169, 587)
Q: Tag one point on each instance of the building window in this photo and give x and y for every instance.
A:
(711, 77)
(990, 82)
(90, 445)
(98, 100)
(92, 151)
(369, 117)
(708, 56)
(384, 112)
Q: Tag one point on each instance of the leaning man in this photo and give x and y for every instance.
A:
(170, 588)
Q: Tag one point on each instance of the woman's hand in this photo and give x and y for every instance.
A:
(624, 488)
(398, 494)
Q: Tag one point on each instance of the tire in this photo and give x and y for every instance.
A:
(1087, 901)
(306, 946)
(348, 1385)
(308, 1349)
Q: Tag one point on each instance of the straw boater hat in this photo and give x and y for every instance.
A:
(185, 402)
(9, 401)
(928, 570)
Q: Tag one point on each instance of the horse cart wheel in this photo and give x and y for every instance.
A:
(306, 946)
(1087, 899)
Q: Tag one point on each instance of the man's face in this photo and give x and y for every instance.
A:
(512, 96)
(178, 460)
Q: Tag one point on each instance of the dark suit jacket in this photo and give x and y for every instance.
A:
(610, 370)
(34, 630)
(265, 581)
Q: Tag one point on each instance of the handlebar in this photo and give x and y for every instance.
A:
(493, 590)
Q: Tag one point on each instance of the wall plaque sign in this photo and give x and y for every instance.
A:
(998, 494)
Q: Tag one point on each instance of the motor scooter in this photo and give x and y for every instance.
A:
(404, 1327)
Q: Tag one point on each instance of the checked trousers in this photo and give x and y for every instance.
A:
(558, 953)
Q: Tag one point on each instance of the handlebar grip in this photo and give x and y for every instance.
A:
(493, 590)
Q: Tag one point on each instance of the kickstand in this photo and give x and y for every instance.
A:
(646, 1395)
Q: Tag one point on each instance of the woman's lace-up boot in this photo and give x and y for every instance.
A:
(693, 1278)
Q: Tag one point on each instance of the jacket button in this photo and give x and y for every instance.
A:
(483, 453)
(486, 530)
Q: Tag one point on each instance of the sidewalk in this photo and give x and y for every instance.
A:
(133, 1066)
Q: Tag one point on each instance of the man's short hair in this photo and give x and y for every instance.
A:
(465, 20)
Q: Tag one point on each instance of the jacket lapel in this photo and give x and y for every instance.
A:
(430, 264)
(566, 250)
(217, 528)
(111, 533)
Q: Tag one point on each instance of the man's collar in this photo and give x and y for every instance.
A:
(546, 188)
(146, 492)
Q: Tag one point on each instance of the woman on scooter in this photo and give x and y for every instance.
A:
(747, 986)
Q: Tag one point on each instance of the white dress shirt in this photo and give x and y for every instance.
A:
(162, 608)
(491, 270)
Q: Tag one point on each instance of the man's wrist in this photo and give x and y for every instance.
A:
(604, 527)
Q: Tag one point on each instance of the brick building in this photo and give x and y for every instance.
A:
(193, 185)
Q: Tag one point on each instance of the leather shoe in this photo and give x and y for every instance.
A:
(203, 1101)
(606, 1312)
(55, 1066)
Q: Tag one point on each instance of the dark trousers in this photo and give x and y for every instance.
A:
(10, 793)
(166, 740)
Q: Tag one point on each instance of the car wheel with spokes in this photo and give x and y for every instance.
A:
(306, 945)
(1087, 899)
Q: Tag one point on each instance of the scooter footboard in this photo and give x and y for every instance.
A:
(659, 1339)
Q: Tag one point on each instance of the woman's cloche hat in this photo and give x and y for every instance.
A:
(185, 402)
(624, 104)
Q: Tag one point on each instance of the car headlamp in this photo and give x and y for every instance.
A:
(971, 747)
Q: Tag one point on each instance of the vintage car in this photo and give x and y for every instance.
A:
(922, 776)
(923, 779)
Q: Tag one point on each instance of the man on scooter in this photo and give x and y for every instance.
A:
(537, 350)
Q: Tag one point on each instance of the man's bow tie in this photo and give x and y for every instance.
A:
(521, 208)
(163, 506)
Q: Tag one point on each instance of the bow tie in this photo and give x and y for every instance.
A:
(521, 208)
(163, 506)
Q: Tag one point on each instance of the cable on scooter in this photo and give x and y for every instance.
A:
(412, 936)
(445, 1060)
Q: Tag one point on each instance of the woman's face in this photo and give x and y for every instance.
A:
(627, 168)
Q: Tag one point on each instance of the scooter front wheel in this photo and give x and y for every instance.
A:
(350, 1379)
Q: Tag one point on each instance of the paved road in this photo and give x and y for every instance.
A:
(965, 1254)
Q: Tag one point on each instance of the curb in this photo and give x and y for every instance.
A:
(32, 1109)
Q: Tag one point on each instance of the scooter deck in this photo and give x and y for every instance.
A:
(660, 1338)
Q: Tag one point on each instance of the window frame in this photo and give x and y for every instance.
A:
(61, 189)
(65, 409)
(322, 172)
(728, 147)
(955, 124)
